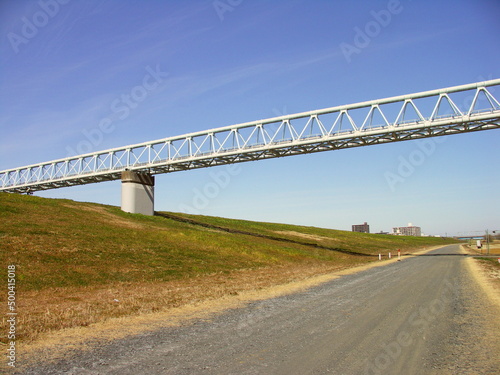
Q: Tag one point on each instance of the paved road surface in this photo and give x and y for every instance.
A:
(422, 315)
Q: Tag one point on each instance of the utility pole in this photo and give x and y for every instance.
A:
(487, 242)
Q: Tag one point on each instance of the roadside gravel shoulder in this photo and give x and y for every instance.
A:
(473, 344)
(66, 342)
(487, 277)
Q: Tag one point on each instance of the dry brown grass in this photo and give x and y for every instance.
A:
(58, 308)
(79, 264)
(486, 270)
(472, 249)
(106, 215)
(491, 271)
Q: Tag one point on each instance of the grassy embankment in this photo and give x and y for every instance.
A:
(81, 263)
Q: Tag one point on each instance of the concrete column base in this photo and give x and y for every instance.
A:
(138, 193)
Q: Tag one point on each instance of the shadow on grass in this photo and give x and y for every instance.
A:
(440, 255)
(268, 237)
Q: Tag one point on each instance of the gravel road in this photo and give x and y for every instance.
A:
(423, 315)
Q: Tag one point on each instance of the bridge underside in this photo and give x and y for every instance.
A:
(448, 111)
(319, 145)
(306, 146)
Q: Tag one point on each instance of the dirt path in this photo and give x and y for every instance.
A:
(260, 285)
(419, 316)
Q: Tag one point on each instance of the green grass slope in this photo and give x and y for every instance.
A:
(62, 243)
(78, 264)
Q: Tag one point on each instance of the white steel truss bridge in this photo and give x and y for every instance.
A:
(453, 110)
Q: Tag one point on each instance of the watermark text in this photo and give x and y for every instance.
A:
(48, 9)
(363, 36)
(11, 315)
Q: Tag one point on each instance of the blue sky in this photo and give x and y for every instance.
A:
(65, 65)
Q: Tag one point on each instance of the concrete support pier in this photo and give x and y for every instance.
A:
(138, 193)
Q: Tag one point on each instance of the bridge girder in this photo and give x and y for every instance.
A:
(355, 125)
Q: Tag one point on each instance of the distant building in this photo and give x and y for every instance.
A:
(410, 230)
(362, 228)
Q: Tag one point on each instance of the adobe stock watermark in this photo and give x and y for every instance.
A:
(408, 164)
(219, 181)
(223, 6)
(48, 9)
(11, 315)
(247, 324)
(417, 323)
(470, 99)
(120, 109)
(363, 36)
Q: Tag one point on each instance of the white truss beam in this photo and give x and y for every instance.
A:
(327, 129)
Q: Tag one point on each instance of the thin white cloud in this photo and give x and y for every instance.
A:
(411, 39)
